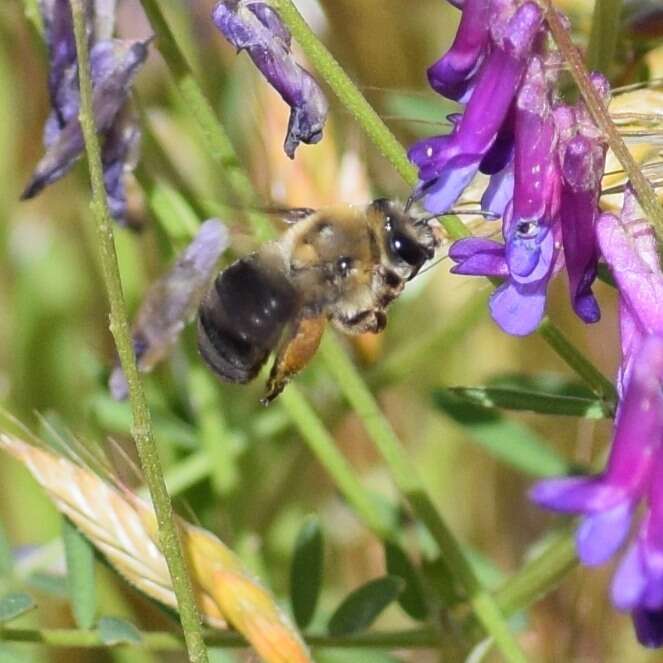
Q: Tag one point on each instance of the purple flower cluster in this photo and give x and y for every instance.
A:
(113, 64)
(545, 161)
(634, 473)
(256, 28)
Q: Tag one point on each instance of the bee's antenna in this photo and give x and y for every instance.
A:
(491, 216)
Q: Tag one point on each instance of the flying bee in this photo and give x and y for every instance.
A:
(342, 264)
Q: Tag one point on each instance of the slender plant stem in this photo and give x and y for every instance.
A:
(322, 445)
(641, 186)
(424, 638)
(597, 382)
(603, 37)
(406, 476)
(119, 326)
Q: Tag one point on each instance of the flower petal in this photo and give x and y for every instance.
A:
(648, 627)
(478, 257)
(600, 535)
(630, 581)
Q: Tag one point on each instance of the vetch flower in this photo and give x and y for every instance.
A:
(452, 75)
(634, 473)
(255, 27)
(448, 163)
(582, 157)
(172, 301)
(531, 230)
(113, 66)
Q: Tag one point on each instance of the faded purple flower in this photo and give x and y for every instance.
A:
(255, 27)
(172, 301)
(113, 66)
(448, 163)
(634, 473)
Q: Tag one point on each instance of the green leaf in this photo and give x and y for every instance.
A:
(79, 554)
(306, 572)
(6, 560)
(412, 599)
(12, 606)
(174, 213)
(509, 441)
(362, 607)
(49, 583)
(541, 403)
(116, 631)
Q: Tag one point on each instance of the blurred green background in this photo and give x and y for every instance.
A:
(56, 350)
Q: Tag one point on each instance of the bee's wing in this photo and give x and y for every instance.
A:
(290, 214)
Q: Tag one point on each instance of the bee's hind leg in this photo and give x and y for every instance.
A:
(295, 352)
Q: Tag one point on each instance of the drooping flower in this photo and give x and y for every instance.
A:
(582, 158)
(634, 473)
(255, 27)
(448, 163)
(113, 66)
(172, 301)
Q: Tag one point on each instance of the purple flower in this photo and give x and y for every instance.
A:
(172, 301)
(113, 66)
(255, 27)
(634, 473)
(447, 164)
(452, 75)
(529, 254)
(629, 247)
(582, 155)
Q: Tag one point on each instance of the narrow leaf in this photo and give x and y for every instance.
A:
(12, 606)
(6, 560)
(509, 441)
(412, 599)
(541, 403)
(116, 631)
(362, 607)
(79, 554)
(306, 572)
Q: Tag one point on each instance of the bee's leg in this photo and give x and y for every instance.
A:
(295, 352)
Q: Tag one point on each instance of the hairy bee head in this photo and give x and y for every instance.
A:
(408, 242)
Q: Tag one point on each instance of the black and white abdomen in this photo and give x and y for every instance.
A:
(243, 317)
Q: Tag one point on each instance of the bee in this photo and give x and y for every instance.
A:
(342, 264)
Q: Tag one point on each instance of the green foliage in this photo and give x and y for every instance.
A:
(306, 571)
(79, 554)
(15, 605)
(412, 598)
(509, 441)
(116, 631)
(363, 606)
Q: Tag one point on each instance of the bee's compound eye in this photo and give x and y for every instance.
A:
(408, 250)
(344, 265)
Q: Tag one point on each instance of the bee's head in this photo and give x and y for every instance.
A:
(409, 242)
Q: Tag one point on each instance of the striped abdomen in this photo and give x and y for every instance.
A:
(243, 317)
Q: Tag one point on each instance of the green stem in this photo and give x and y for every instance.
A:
(423, 638)
(323, 446)
(538, 576)
(603, 37)
(598, 383)
(641, 186)
(216, 139)
(406, 476)
(119, 326)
